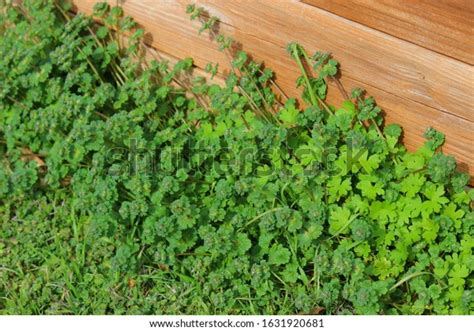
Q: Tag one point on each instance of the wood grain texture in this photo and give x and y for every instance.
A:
(445, 26)
(416, 87)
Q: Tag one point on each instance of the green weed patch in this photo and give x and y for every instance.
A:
(128, 186)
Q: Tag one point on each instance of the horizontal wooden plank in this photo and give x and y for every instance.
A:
(445, 26)
(408, 81)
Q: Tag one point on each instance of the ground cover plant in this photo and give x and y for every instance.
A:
(128, 186)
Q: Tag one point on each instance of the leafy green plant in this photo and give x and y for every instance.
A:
(128, 186)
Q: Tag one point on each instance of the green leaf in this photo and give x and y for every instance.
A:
(459, 271)
(369, 163)
(102, 32)
(414, 161)
(290, 273)
(295, 222)
(339, 220)
(412, 184)
(289, 115)
(435, 195)
(243, 243)
(393, 130)
(370, 189)
(441, 167)
(454, 214)
(338, 188)
(278, 255)
(431, 229)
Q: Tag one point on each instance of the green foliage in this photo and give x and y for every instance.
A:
(129, 186)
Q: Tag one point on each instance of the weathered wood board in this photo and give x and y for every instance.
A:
(446, 26)
(417, 87)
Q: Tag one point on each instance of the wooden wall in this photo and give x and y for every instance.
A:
(415, 56)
